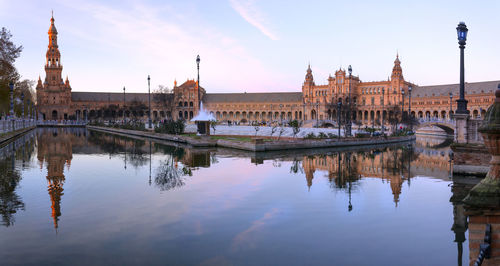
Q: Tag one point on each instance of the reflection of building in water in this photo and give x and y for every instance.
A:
(433, 157)
(346, 167)
(196, 158)
(55, 149)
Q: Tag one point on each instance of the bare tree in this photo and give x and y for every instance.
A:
(256, 126)
(162, 95)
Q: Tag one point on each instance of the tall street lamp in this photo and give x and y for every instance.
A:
(198, 67)
(409, 108)
(317, 114)
(29, 108)
(11, 86)
(281, 114)
(149, 96)
(348, 122)
(451, 100)
(403, 106)
(22, 113)
(22, 100)
(462, 38)
(339, 108)
(123, 104)
(383, 98)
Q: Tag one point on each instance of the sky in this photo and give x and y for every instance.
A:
(253, 45)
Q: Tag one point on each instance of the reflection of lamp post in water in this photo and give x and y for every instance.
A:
(410, 152)
(349, 174)
(150, 162)
(125, 167)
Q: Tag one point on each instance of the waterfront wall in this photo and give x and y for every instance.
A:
(258, 145)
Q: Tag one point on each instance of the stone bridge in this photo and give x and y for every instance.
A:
(448, 125)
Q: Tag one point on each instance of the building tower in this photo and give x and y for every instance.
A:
(53, 95)
(307, 88)
(397, 79)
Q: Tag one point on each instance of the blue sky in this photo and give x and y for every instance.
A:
(253, 45)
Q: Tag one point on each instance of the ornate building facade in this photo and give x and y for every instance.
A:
(371, 102)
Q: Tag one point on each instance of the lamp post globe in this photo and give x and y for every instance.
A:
(462, 38)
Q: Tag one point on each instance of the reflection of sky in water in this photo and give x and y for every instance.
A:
(233, 212)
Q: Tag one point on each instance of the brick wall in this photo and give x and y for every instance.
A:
(477, 227)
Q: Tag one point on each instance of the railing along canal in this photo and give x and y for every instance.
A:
(9, 125)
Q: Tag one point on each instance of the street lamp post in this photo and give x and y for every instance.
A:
(123, 105)
(149, 97)
(451, 100)
(339, 108)
(348, 122)
(403, 106)
(462, 38)
(410, 120)
(29, 108)
(11, 113)
(22, 113)
(198, 67)
(11, 86)
(383, 98)
(317, 114)
(86, 114)
(281, 114)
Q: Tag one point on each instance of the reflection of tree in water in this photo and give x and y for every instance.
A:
(10, 202)
(296, 166)
(169, 175)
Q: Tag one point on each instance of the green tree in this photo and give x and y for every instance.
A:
(295, 125)
(9, 52)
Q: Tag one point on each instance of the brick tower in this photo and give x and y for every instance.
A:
(53, 95)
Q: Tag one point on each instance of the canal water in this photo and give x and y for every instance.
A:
(77, 197)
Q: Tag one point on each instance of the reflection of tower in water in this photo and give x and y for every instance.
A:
(55, 148)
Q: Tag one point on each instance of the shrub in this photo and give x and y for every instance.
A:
(322, 135)
(332, 136)
(310, 136)
(171, 127)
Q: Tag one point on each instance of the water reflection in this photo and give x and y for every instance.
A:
(176, 170)
(22, 150)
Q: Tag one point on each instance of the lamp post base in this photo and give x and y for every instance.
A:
(462, 106)
(348, 130)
